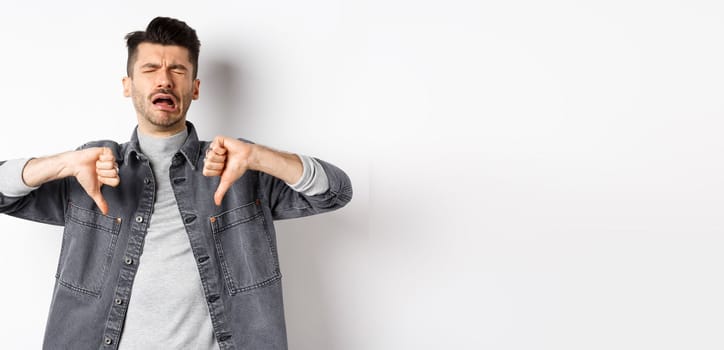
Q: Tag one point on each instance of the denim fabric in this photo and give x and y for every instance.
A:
(234, 246)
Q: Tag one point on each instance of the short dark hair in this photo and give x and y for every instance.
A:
(164, 31)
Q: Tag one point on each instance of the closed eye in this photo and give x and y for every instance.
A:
(149, 67)
(178, 68)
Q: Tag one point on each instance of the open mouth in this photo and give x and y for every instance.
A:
(164, 102)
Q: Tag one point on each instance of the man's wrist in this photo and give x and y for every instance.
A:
(252, 159)
(283, 165)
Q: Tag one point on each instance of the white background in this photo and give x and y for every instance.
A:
(527, 174)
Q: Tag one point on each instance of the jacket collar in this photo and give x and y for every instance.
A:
(190, 148)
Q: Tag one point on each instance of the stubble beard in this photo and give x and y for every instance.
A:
(159, 119)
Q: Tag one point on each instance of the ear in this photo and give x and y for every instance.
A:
(127, 86)
(197, 83)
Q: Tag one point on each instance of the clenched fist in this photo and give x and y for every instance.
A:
(228, 158)
(95, 167)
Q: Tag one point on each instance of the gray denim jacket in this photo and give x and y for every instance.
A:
(234, 246)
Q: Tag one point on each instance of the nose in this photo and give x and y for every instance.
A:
(163, 79)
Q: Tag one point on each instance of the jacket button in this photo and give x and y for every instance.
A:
(213, 298)
(146, 180)
(203, 258)
(108, 341)
(118, 301)
(139, 218)
(128, 261)
(190, 219)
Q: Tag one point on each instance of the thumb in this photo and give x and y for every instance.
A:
(106, 154)
(224, 186)
(99, 200)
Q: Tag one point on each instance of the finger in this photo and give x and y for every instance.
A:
(211, 173)
(110, 181)
(214, 165)
(213, 157)
(106, 155)
(107, 169)
(106, 164)
(217, 146)
(113, 172)
(224, 186)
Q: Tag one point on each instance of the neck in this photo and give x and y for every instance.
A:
(161, 148)
(161, 131)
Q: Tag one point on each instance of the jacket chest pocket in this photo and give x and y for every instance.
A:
(245, 249)
(89, 241)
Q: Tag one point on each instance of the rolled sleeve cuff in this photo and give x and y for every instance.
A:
(314, 179)
(11, 178)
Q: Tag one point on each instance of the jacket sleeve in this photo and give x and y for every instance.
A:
(287, 203)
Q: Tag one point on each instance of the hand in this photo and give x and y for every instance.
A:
(228, 158)
(93, 168)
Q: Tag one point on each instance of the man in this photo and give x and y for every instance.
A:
(168, 241)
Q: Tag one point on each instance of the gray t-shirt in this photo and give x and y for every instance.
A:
(167, 309)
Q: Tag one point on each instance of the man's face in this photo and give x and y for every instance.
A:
(162, 87)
